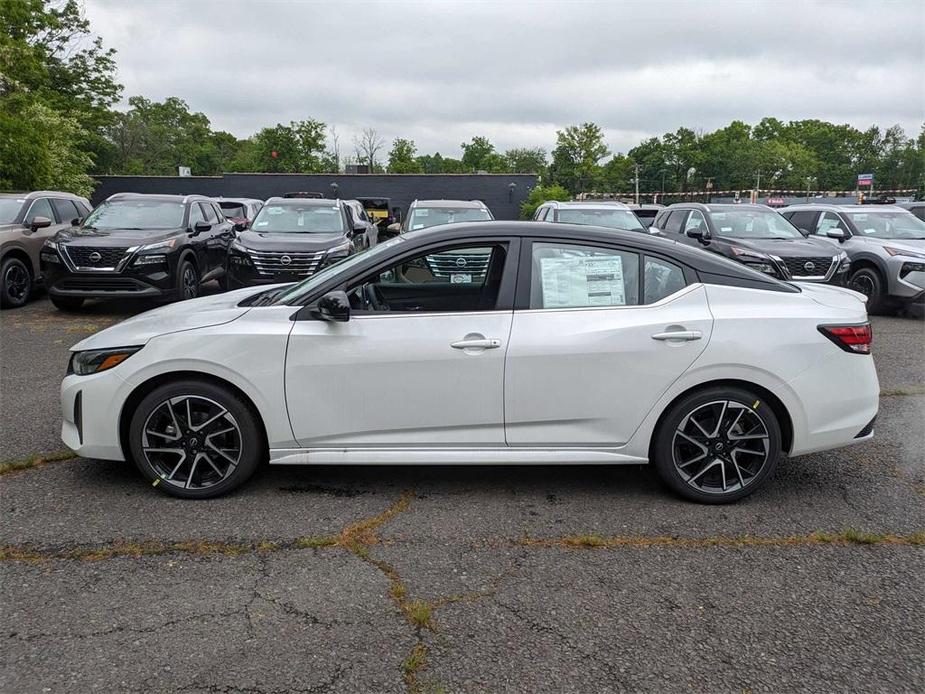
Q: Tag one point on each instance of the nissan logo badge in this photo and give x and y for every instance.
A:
(809, 266)
(460, 262)
(285, 260)
(95, 257)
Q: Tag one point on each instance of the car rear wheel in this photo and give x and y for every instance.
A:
(718, 445)
(868, 281)
(195, 439)
(67, 303)
(16, 283)
(187, 281)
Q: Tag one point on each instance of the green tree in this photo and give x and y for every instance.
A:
(617, 174)
(479, 155)
(295, 148)
(402, 157)
(525, 160)
(576, 158)
(540, 194)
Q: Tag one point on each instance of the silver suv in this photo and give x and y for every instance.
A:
(27, 220)
(600, 213)
(886, 245)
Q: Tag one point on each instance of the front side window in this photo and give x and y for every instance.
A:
(40, 208)
(573, 276)
(209, 213)
(675, 220)
(423, 217)
(195, 216)
(888, 224)
(610, 218)
(753, 224)
(65, 210)
(288, 218)
(829, 220)
(696, 221)
(461, 278)
(136, 214)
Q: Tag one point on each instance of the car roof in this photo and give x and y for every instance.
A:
(588, 204)
(646, 206)
(473, 204)
(829, 207)
(42, 193)
(236, 200)
(159, 197)
(305, 202)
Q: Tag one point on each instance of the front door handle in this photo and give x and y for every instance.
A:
(680, 335)
(482, 343)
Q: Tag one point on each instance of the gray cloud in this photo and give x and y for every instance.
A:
(516, 72)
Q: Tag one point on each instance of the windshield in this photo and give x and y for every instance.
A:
(136, 214)
(892, 224)
(9, 208)
(612, 219)
(753, 224)
(423, 217)
(233, 209)
(292, 294)
(299, 219)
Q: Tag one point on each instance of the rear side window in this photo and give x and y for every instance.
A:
(65, 210)
(675, 220)
(574, 276)
(661, 279)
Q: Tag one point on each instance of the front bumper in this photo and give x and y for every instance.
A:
(906, 284)
(90, 417)
(128, 284)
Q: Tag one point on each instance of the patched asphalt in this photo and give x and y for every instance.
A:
(503, 613)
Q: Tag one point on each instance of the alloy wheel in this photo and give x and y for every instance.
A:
(864, 284)
(191, 442)
(190, 283)
(720, 447)
(16, 282)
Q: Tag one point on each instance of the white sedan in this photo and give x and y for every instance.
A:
(485, 343)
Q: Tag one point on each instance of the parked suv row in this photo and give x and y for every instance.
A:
(26, 222)
(757, 236)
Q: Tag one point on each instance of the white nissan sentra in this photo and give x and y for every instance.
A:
(485, 343)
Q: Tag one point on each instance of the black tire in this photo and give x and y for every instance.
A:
(66, 303)
(195, 477)
(740, 467)
(187, 280)
(15, 283)
(869, 282)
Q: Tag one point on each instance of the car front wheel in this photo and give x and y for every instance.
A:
(16, 283)
(195, 439)
(187, 281)
(717, 445)
(868, 281)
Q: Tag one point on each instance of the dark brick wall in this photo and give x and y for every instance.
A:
(493, 189)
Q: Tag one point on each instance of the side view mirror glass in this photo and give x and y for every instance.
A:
(201, 227)
(695, 233)
(40, 223)
(77, 221)
(359, 228)
(835, 233)
(333, 306)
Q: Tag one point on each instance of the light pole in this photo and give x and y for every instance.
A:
(809, 181)
(636, 180)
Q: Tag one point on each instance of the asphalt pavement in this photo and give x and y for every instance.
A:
(489, 579)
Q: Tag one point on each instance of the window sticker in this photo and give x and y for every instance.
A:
(417, 226)
(582, 281)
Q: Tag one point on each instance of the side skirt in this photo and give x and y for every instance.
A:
(451, 456)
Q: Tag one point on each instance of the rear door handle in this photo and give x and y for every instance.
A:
(680, 335)
(484, 343)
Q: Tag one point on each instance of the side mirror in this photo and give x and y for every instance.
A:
(695, 233)
(333, 306)
(240, 226)
(77, 221)
(201, 227)
(835, 233)
(394, 228)
(359, 228)
(39, 223)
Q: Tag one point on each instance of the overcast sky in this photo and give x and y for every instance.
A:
(441, 72)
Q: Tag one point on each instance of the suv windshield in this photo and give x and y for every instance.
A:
(295, 218)
(9, 208)
(888, 224)
(753, 224)
(423, 217)
(612, 219)
(136, 214)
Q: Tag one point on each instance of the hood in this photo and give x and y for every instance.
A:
(292, 242)
(787, 248)
(834, 297)
(913, 245)
(183, 315)
(114, 237)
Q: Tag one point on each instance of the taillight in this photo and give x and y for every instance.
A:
(851, 338)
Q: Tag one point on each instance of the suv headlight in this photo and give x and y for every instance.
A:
(49, 252)
(755, 260)
(160, 246)
(93, 361)
(145, 255)
(237, 254)
(903, 252)
(338, 252)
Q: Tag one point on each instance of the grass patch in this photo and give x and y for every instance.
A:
(314, 542)
(894, 392)
(415, 663)
(8, 466)
(419, 613)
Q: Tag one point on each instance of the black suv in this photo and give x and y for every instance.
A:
(754, 235)
(292, 238)
(138, 246)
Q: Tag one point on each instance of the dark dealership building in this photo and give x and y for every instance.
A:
(503, 193)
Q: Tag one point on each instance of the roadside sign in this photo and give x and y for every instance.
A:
(183, 170)
(865, 179)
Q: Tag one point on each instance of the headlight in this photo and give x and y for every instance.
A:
(95, 360)
(160, 246)
(748, 254)
(844, 262)
(904, 252)
(338, 252)
(50, 245)
(236, 246)
(150, 259)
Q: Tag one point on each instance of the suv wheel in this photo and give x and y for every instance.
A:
(867, 280)
(718, 445)
(187, 281)
(195, 440)
(16, 283)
